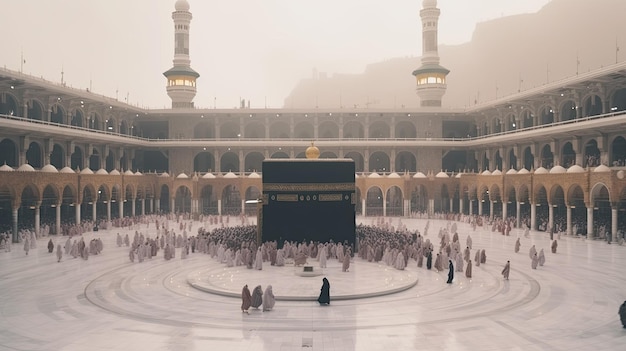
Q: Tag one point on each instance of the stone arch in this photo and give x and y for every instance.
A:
(124, 127)
(254, 161)
(279, 130)
(374, 201)
(111, 160)
(357, 157)
(394, 201)
(600, 199)
(279, 154)
(592, 105)
(353, 130)
(559, 210)
(77, 119)
(57, 114)
(618, 151)
(546, 115)
(405, 130)
(8, 153)
(379, 162)
(528, 160)
(34, 154)
(204, 162)
(8, 104)
(540, 200)
(568, 155)
(208, 200)
(547, 157)
(231, 200)
(591, 154)
(512, 159)
(252, 193)
(57, 156)
(328, 154)
(229, 162)
(76, 161)
(35, 110)
(94, 159)
(303, 130)
(254, 130)
(164, 198)
(419, 199)
(328, 130)
(182, 200)
(576, 202)
(618, 100)
(405, 162)
(230, 130)
(568, 110)
(379, 130)
(204, 130)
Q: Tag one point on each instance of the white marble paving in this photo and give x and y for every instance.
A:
(108, 303)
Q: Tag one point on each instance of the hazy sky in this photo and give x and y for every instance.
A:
(253, 49)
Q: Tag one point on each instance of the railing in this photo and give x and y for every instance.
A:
(552, 126)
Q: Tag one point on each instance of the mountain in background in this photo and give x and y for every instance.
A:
(505, 55)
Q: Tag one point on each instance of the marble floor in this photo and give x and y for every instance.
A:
(109, 303)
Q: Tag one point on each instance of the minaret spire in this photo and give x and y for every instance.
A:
(431, 77)
(181, 79)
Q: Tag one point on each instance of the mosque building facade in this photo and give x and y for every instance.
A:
(551, 155)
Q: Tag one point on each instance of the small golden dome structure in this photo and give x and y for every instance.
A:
(312, 152)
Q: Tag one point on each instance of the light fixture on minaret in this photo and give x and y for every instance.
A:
(181, 79)
(431, 77)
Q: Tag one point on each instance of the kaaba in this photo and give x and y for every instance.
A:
(308, 199)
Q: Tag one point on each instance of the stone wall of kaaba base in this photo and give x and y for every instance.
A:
(304, 199)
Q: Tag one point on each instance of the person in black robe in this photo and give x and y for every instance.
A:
(450, 272)
(324, 297)
(50, 246)
(429, 260)
(622, 314)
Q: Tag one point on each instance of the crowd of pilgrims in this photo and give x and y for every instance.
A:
(236, 245)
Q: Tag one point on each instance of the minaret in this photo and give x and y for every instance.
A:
(181, 79)
(431, 77)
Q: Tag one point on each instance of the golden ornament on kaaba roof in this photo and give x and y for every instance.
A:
(312, 151)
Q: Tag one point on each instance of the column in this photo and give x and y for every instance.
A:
(550, 217)
(219, 206)
(480, 207)
(363, 207)
(407, 208)
(590, 222)
(471, 207)
(569, 221)
(58, 219)
(121, 208)
(37, 218)
(533, 216)
(518, 213)
(614, 222)
(491, 205)
(384, 208)
(143, 207)
(243, 206)
(77, 209)
(505, 210)
(451, 205)
(173, 207)
(108, 212)
(157, 205)
(93, 211)
(461, 205)
(132, 203)
(431, 207)
(16, 238)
